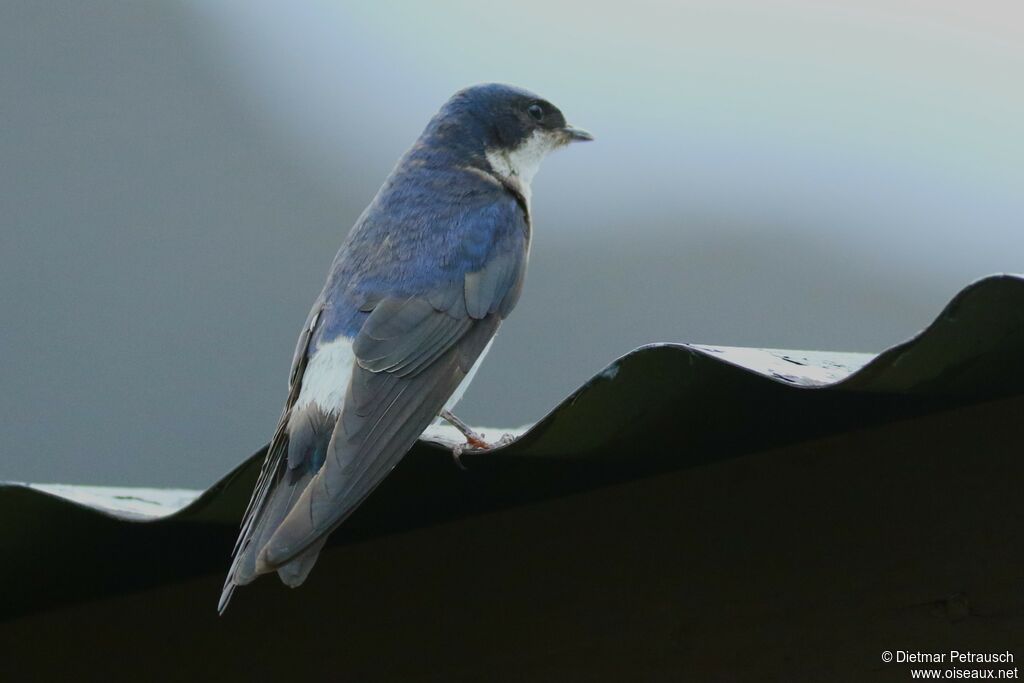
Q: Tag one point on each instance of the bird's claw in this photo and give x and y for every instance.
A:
(457, 450)
(475, 443)
(505, 440)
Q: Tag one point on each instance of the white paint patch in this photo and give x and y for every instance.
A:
(326, 378)
(124, 502)
(519, 165)
(464, 384)
(807, 368)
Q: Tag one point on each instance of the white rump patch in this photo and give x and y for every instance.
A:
(329, 370)
(326, 378)
(519, 165)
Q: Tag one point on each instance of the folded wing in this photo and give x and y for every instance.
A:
(411, 353)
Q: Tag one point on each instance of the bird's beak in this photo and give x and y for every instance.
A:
(577, 134)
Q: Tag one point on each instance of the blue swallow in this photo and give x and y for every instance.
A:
(412, 301)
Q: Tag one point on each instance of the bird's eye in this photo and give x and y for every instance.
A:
(536, 112)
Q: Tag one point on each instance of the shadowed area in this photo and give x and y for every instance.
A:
(810, 559)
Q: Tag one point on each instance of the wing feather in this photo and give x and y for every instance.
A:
(366, 447)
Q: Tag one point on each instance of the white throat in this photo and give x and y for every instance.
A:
(518, 166)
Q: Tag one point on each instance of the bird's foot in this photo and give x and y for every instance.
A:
(475, 443)
(505, 440)
(457, 451)
(472, 438)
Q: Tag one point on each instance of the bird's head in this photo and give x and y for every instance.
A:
(511, 129)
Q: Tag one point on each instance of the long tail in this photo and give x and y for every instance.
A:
(292, 460)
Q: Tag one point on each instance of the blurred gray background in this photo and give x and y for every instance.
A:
(176, 176)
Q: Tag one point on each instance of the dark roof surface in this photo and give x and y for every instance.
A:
(660, 408)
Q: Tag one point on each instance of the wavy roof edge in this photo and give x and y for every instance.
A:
(970, 352)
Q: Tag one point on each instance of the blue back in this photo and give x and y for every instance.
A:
(438, 216)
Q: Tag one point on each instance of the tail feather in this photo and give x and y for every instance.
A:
(294, 573)
(286, 492)
(292, 461)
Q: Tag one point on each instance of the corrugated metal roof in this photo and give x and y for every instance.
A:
(659, 407)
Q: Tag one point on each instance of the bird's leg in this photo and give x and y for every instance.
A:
(474, 441)
(472, 438)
